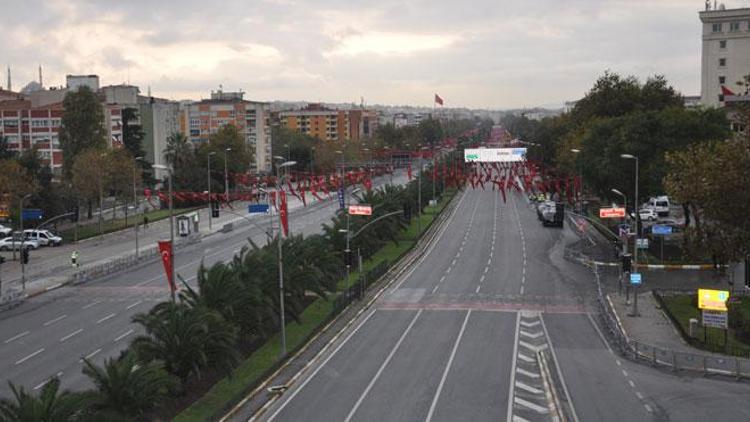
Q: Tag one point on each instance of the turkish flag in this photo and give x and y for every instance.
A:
(408, 170)
(438, 100)
(165, 249)
(283, 212)
(726, 91)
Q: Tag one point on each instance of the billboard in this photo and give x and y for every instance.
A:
(494, 155)
(611, 212)
(360, 210)
(713, 300)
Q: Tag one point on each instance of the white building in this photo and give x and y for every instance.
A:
(725, 56)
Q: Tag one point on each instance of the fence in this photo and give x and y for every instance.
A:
(706, 364)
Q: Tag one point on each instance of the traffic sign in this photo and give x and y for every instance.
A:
(360, 210)
(611, 212)
(713, 300)
(624, 230)
(642, 243)
(257, 209)
(661, 229)
(635, 279)
(32, 214)
(341, 198)
(715, 319)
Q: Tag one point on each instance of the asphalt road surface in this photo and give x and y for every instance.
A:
(49, 334)
(457, 337)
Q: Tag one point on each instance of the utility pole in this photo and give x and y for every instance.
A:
(210, 211)
(226, 175)
(135, 203)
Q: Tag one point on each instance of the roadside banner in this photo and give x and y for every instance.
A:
(360, 210)
(611, 212)
(713, 300)
(283, 212)
(165, 249)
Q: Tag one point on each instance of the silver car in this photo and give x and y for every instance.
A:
(8, 244)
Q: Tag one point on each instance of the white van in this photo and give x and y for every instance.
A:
(660, 204)
(44, 237)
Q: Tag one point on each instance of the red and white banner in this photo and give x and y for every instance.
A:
(360, 210)
(165, 249)
(283, 212)
(611, 212)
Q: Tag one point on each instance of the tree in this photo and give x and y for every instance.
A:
(712, 179)
(125, 389)
(188, 172)
(82, 126)
(238, 159)
(5, 152)
(187, 340)
(15, 180)
(430, 132)
(132, 134)
(299, 146)
(91, 176)
(51, 405)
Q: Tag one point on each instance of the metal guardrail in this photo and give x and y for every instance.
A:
(705, 363)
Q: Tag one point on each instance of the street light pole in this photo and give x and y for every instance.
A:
(170, 171)
(637, 231)
(23, 264)
(135, 203)
(210, 211)
(580, 177)
(282, 318)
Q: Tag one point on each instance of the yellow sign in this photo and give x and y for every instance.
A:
(713, 300)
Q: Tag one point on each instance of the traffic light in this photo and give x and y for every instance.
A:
(25, 255)
(627, 263)
(214, 210)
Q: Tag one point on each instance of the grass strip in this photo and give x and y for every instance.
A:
(109, 226)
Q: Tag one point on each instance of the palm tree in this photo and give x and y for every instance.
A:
(178, 149)
(125, 389)
(50, 406)
(187, 340)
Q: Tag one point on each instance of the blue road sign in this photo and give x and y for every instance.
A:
(341, 199)
(635, 279)
(257, 208)
(661, 229)
(32, 214)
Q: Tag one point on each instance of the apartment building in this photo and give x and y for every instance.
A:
(199, 120)
(725, 52)
(329, 124)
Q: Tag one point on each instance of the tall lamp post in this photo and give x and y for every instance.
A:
(580, 177)
(281, 267)
(135, 203)
(348, 250)
(637, 225)
(210, 211)
(226, 175)
(171, 221)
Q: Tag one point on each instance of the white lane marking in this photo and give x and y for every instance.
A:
(530, 324)
(123, 335)
(481, 279)
(43, 383)
(442, 279)
(513, 367)
(639, 395)
(458, 255)
(517, 418)
(632, 384)
(92, 304)
(477, 290)
(601, 336)
(531, 347)
(52, 321)
(106, 318)
(22, 360)
(521, 289)
(132, 305)
(382, 367)
(486, 269)
(434, 289)
(533, 406)
(91, 355)
(17, 336)
(526, 373)
(448, 270)
(624, 373)
(648, 408)
(447, 367)
(532, 335)
(489, 261)
(78, 331)
(454, 262)
(315, 372)
(53, 287)
(528, 388)
(618, 362)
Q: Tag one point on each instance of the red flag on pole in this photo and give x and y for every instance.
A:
(283, 212)
(165, 249)
(408, 170)
(438, 100)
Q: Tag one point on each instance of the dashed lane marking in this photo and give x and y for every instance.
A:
(17, 336)
(91, 355)
(52, 321)
(106, 318)
(528, 388)
(527, 373)
(123, 335)
(74, 333)
(22, 360)
(533, 406)
(92, 304)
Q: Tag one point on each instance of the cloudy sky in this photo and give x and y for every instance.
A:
(475, 53)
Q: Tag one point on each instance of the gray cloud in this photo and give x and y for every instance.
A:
(483, 53)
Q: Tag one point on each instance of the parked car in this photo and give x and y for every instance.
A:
(44, 237)
(647, 214)
(8, 244)
(5, 231)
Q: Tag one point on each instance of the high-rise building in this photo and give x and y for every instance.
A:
(199, 120)
(725, 52)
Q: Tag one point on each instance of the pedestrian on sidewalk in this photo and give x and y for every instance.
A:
(145, 221)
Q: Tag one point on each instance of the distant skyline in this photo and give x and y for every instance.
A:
(476, 54)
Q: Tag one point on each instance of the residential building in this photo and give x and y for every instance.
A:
(330, 124)
(73, 82)
(199, 120)
(725, 52)
(159, 118)
(26, 125)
